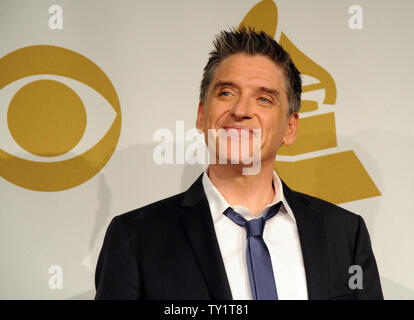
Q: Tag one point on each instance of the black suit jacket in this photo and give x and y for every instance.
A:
(169, 250)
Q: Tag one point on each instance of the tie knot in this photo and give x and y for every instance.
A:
(255, 227)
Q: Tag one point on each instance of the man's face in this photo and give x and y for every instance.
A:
(248, 92)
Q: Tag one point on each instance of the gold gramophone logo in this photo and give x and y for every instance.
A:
(47, 119)
(337, 176)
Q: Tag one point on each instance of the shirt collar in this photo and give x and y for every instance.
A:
(218, 204)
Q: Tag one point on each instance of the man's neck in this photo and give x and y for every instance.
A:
(251, 191)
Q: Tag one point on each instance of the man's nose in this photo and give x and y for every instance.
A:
(241, 109)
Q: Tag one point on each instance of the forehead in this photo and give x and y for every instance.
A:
(250, 71)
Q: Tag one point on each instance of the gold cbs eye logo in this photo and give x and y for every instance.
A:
(48, 119)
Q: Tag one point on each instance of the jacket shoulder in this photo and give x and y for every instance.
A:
(161, 209)
(332, 214)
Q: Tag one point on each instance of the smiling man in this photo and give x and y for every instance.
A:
(234, 235)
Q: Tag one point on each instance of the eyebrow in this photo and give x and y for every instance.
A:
(219, 84)
(273, 92)
(224, 84)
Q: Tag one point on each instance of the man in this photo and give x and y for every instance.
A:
(234, 235)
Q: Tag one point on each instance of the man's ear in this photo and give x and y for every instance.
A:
(200, 116)
(291, 129)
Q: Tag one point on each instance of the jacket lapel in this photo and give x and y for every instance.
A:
(199, 228)
(312, 237)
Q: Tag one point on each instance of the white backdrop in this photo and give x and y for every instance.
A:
(153, 52)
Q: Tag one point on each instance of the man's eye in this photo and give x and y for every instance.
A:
(262, 99)
(225, 93)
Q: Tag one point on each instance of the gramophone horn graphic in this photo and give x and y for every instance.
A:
(337, 177)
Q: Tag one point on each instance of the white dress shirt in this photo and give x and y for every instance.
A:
(280, 235)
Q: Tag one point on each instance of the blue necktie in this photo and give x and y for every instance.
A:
(262, 280)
